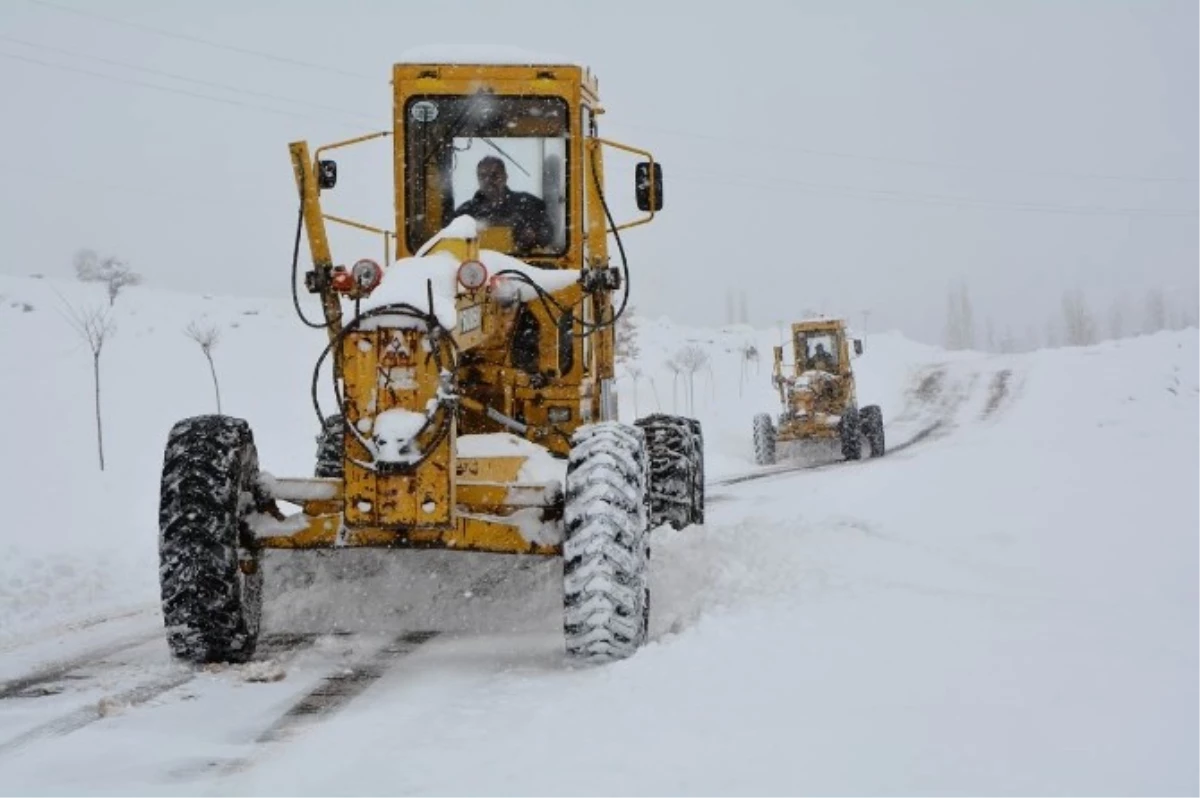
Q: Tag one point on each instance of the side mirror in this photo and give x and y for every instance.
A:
(326, 174)
(858, 346)
(648, 186)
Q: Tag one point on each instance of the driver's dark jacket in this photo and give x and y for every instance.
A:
(516, 209)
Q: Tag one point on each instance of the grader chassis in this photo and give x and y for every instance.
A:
(457, 343)
(819, 396)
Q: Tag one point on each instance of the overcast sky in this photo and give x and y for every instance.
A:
(836, 155)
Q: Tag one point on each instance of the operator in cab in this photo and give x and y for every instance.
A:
(821, 359)
(498, 205)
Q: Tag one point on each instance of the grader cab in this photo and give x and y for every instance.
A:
(819, 397)
(473, 376)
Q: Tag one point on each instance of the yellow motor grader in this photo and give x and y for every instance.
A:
(819, 396)
(473, 376)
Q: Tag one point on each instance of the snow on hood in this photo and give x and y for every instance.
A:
(409, 280)
(540, 466)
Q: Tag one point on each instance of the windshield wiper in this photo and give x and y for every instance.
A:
(498, 149)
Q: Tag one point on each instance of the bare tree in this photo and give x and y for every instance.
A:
(1008, 342)
(691, 359)
(749, 355)
(207, 338)
(95, 326)
(960, 319)
(1156, 311)
(1051, 335)
(675, 368)
(1116, 319)
(626, 334)
(110, 270)
(635, 373)
(1077, 319)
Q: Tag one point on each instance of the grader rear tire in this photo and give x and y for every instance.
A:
(209, 578)
(698, 496)
(676, 455)
(606, 546)
(850, 432)
(872, 429)
(764, 440)
(329, 448)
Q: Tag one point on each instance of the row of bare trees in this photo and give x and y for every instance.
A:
(95, 326)
(1078, 324)
(684, 365)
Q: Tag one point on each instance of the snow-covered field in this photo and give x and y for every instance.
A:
(1005, 604)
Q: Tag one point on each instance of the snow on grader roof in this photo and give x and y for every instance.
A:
(482, 54)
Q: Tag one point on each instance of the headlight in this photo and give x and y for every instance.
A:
(367, 275)
(472, 275)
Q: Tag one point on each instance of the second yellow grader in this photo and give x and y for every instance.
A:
(819, 396)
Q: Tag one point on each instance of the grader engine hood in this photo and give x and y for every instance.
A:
(399, 357)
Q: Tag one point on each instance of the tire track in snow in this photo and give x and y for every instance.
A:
(332, 694)
(87, 715)
(923, 435)
(23, 686)
(137, 695)
(933, 390)
(337, 690)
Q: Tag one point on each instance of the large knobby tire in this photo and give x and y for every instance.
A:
(850, 432)
(764, 440)
(872, 429)
(606, 550)
(697, 473)
(676, 457)
(210, 581)
(329, 448)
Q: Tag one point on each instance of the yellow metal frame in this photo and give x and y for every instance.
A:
(483, 502)
(649, 217)
(450, 502)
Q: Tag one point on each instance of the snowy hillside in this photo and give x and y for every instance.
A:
(1004, 604)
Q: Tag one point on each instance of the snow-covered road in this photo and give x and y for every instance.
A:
(1005, 604)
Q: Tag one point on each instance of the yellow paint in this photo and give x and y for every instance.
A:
(424, 506)
(383, 370)
(470, 533)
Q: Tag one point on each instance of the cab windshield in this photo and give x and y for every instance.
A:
(500, 159)
(817, 350)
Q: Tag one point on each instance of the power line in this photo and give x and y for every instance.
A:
(170, 90)
(915, 162)
(883, 195)
(197, 40)
(141, 191)
(184, 78)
